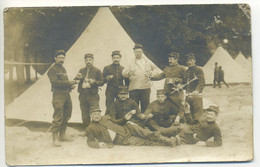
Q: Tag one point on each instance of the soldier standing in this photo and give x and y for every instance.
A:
(61, 87)
(194, 77)
(139, 72)
(113, 77)
(174, 77)
(90, 78)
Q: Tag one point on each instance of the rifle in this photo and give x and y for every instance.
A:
(181, 88)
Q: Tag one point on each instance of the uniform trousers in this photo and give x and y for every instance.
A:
(86, 101)
(141, 96)
(62, 111)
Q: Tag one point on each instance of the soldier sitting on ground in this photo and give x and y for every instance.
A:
(162, 113)
(201, 132)
(104, 133)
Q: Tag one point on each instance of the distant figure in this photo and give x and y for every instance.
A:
(221, 77)
(61, 87)
(216, 75)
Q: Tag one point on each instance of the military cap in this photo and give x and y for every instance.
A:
(138, 46)
(213, 108)
(161, 91)
(59, 52)
(89, 55)
(174, 55)
(116, 52)
(190, 56)
(94, 109)
(122, 89)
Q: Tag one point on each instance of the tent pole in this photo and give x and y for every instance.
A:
(19, 123)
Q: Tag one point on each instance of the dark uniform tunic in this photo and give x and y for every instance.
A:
(195, 102)
(112, 85)
(163, 114)
(120, 108)
(89, 96)
(204, 131)
(61, 87)
(173, 73)
(125, 135)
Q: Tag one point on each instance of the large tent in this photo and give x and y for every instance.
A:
(234, 73)
(241, 60)
(103, 35)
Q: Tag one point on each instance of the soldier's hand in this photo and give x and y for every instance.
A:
(187, 108)
(128, 116)
(73, 87)
(142, 116)
(133, 112)
(72, 82)
(149, 116)
(79, 75)
(91, 81)
(102, 145)
(109, 77)
(195, 92)
(177, 121)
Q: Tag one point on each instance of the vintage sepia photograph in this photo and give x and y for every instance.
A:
(128, 84)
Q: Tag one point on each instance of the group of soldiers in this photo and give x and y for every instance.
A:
(176, 117)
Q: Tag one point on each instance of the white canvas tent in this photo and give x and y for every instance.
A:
(249, 59)
(103, 35)
(242, 61)
(234, 73)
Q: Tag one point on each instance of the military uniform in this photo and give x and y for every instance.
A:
(195, 101)
(112, 85)
(163, 114)
(125, 135)
(89, 96)
(120, 108)
(61, 87)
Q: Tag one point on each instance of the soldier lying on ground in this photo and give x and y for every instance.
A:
(101, 129)
(201, 132)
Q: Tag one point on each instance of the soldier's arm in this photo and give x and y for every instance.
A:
(112, 112)
(91, 139)
(77, 78)
(99, 80)
(217, 139)
(105, 74)
(158, 77)
(201, 80)
(126, 72)
(58, 83)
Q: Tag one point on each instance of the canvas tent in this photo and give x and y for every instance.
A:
(243, 62)
(249, 59)
(234, 73)
(103, 35)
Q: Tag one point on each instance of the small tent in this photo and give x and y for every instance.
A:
(103, 35)
(243, 62)
(234, 73)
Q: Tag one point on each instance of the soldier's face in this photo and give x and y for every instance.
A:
(191, 62)
(96, 116)
(211, 116)
(138, 53)
(116, 59)
(173, 61)
(123, 96)
(59, 59)
(161, 98)
(89, 61)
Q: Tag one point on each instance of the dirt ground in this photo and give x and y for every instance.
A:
(28, 147)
